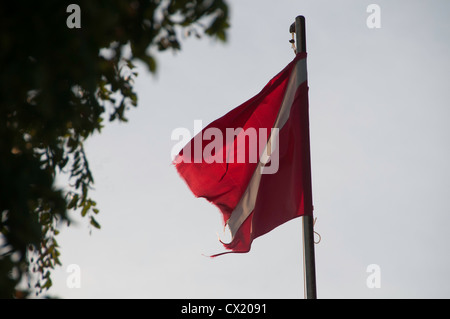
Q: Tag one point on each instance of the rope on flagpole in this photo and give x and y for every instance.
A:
(320, 237)
(292, 41)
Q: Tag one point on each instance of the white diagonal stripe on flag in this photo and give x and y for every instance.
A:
(247, 202)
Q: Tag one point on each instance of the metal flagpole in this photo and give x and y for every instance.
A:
(309, 265)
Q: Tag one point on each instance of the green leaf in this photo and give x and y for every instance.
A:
(45, 217)
(85, 210)
(150, 61)
(130, 64)
(73, 202)
(47, 284)
(95, 223)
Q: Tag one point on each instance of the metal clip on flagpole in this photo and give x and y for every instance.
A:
(309, 264)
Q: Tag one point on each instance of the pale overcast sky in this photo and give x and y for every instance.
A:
(379, 118)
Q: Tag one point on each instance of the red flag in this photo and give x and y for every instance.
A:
(254, 162)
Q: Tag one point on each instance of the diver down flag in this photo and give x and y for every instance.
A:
(254, 162)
